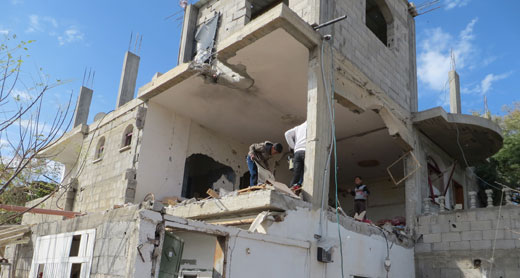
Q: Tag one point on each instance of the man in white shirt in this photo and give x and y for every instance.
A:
(297, 139)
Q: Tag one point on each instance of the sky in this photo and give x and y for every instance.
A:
(72, 36)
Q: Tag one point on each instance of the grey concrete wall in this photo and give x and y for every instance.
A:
(389, 66)
(386, 200)
(449, 243)
(108, 181)
(117, 234)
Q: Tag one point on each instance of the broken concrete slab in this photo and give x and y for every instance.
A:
(244, 204)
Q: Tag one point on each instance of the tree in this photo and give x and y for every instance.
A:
(27, 186)
(504, 166)
(26, 125)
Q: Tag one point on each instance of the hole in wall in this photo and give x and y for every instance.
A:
(202, 172)
(244, 180)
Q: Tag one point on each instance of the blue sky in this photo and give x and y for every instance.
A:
(484, 37)
(74, 35)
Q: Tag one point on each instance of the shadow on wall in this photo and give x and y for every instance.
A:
(202, 172)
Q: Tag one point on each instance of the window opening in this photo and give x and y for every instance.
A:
(74, 246)
(100, 149)
(375, 19)
(127, 136)
(435, 178)
(75, 270)
(459, 193)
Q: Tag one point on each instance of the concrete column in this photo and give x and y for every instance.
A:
(412, 70)
(442, 204)
(426, 203)
(507, 193)
(454, 92)
(128, 79)
(83, 106)
(472, 199)
(318, 135)
(71, 195)
(489, 193)
(412, 187)
(187, 44)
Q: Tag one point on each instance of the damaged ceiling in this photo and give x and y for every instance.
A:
(276, 101)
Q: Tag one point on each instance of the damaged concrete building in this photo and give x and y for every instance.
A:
(136, 178)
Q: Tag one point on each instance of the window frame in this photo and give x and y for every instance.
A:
(58, 263)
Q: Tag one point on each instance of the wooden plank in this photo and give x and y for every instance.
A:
(212, 193)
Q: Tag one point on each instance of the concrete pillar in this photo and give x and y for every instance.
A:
(71, 194)
(472, 199)
(83, 106)
(412, 187)
(489, 193)
(442, 204)
(454, 92)
(187, 44)
(507, 194)
(318, 134)
(128, 79)
(426, 203)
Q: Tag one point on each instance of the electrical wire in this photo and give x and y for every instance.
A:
(473, 172)
(67, 185)
(329, 94)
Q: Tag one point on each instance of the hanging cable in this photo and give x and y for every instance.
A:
(332, 148)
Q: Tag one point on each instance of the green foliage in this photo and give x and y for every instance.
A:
(504, 166)
(27, 186)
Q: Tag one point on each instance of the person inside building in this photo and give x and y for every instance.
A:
(260, 153)
(360, 194)
(297, 139)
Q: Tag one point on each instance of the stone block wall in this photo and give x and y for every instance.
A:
(235, 14)
(116, 238)
(451, 242)
(388, 66)
(109, 180)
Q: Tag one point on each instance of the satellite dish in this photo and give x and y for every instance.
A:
(99, 116)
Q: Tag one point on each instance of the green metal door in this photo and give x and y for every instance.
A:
(171, 256)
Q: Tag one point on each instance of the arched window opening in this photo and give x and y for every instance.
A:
(127, 136)
(100, 148)
(378, 18)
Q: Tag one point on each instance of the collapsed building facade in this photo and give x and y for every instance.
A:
(249, 70)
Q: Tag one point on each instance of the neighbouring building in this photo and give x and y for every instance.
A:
(136, 178)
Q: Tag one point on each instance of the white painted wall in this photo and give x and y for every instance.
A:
(168, 139)
(199, 247)
(363, 255)
(163, 153)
